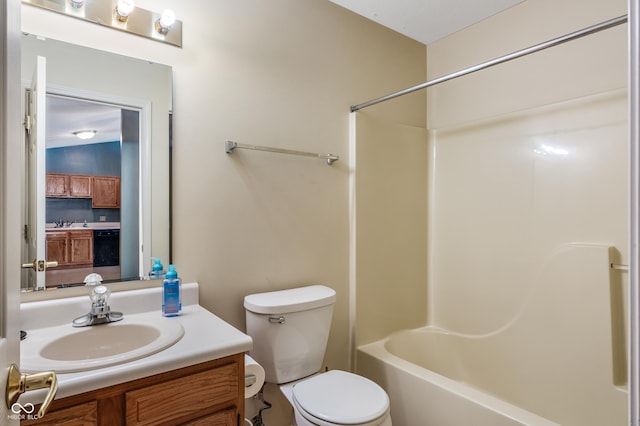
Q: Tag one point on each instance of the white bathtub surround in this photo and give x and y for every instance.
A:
(559, 359)
(421, 396)
(206, 337)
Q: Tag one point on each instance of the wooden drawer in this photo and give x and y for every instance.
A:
(172, 402)
(79, 415)
(222, 418)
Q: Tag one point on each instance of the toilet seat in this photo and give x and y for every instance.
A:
(340, 398)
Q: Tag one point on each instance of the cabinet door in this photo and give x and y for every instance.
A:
(80, 186)
(81, 247)
(57, 185)
(106, 192)
(187, 395)
(57, 247)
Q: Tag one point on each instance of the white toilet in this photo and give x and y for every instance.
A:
(290, 329)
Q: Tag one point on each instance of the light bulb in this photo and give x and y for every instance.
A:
(167, 19)
(124, 8)
(77, 4)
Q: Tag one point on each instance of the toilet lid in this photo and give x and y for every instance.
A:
(340, 397)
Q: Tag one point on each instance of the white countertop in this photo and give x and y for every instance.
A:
(206, 338)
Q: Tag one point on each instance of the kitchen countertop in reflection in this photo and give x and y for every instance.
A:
(80, 226)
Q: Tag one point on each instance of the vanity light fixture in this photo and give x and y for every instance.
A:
(123, 9)
(166, 21)
(119, 15)
(85, 134)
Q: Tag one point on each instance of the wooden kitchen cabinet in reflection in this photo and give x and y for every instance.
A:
(70, 247)
(106, 192)
(68, 186)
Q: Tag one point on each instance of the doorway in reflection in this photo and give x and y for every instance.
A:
(92, 207)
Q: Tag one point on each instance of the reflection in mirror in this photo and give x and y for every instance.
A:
(90, 179)
(96, 193)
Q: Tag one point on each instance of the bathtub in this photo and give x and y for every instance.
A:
(556, 361)
(434, 395)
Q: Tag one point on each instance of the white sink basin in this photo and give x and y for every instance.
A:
(66, 349)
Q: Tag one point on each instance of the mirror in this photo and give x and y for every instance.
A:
(106, 199)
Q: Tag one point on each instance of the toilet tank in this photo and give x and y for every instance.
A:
(290, 329)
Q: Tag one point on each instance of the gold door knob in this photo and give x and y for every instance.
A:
(19, 383)
(39, 265)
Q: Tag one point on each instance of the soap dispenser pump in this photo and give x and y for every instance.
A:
(171, 293)
(157, 270)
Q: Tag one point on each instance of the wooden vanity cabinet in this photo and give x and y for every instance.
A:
(211, 394)
(70, 247)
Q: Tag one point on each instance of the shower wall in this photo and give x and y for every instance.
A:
(390, 221)
(527, 156)
(508, 192)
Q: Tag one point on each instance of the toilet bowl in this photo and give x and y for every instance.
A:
(290, 329)
(337, 398)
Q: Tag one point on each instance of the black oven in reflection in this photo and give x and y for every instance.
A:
(106, 247)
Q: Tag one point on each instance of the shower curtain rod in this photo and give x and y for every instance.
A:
(535, 48)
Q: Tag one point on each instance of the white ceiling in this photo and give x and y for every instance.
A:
(426, 20)
(68, 115)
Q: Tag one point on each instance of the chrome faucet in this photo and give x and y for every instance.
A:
(64, 223)
(100, 310)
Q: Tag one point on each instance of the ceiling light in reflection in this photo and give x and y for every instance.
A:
(85, 134)
(549, 150)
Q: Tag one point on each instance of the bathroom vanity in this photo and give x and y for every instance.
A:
(198, 380)
(209, 393)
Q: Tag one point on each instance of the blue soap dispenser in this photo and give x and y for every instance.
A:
(157, 270)
(171, 293)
